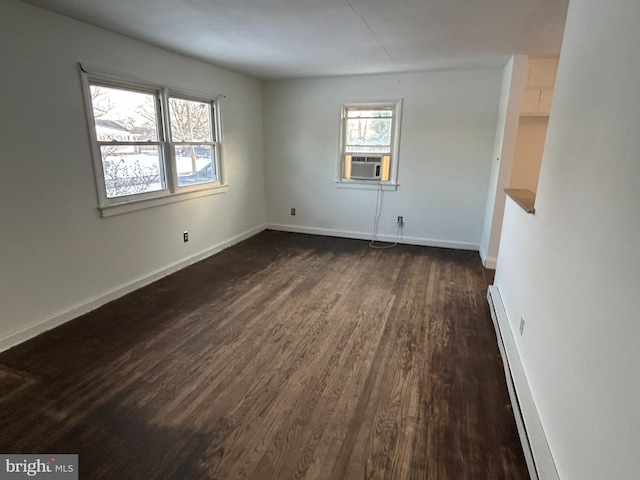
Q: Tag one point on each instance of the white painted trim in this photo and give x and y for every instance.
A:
(141, 204)
(488, 262)
(534, 441)
(329, 232)
(24, 334)
(491, 262)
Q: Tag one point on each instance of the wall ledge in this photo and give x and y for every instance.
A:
(525, 199)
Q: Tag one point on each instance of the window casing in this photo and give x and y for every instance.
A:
(369, 143)
(151, 145)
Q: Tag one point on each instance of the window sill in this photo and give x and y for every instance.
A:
(367, 185)
(132, 206)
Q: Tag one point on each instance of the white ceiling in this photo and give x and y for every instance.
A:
(301, 38)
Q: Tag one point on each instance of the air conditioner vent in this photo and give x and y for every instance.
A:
(359, 158)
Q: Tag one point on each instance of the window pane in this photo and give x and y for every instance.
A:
(131, 169)
(124, 115)
(190, 121)
(369, 131)
(196, 164)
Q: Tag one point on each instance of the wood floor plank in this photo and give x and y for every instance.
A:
(286, 356)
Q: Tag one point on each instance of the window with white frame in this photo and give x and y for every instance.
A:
(192, 140)
(150, 142)
(369, 142)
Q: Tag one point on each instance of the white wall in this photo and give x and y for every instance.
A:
(573, 269)
(447, 136)
(513, 80)
(58, 257)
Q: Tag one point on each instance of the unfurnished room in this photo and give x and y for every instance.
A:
(329, 239)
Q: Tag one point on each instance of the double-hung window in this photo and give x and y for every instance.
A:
(193, 144)
(129, 136)
(150, 144)
(369, 142)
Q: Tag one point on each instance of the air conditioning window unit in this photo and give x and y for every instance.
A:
(366, 167)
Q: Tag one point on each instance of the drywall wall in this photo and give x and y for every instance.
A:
(446, 140)
(532, 132)
(572, 270)
(58, 257)
(513, 80)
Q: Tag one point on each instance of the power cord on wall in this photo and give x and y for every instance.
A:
(376, 218)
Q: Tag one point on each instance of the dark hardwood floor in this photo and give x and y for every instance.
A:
(489, 275)
(286, 356)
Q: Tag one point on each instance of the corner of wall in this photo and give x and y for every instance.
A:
(513, 80)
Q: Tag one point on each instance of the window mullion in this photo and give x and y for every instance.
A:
(168, 151)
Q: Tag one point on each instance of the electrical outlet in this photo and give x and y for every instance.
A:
(400, 221)
(185, 236)
(293, 211)
(521, 325)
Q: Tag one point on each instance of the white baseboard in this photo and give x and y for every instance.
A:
(24, 334)
(490, 262)
(534, 441)
(426, 242)
(487, 262)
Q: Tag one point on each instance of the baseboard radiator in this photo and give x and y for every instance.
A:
(534, 441)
